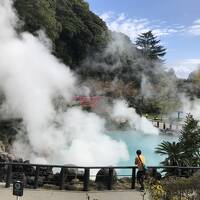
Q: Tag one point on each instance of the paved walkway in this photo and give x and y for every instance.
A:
(6, 194)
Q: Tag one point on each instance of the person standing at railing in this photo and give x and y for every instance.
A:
(140, 162)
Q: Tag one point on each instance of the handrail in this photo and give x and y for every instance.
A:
(66, 166)
(10, 167)
(94, 167)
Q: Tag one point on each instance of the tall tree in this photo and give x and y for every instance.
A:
(150, 46)
(190, 140)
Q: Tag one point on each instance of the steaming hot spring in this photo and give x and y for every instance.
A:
(36, 87)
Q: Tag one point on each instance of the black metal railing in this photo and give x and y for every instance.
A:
(86, 175)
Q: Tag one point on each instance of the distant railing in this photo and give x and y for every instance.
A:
(166, 125)
(86, 175)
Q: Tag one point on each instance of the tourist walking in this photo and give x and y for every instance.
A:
(140, 162)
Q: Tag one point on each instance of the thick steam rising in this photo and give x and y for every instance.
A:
(125, 114)
(32, 80)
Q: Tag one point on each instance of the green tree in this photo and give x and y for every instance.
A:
(150, 46)
(174, 156)
(190, 140)
(39, 14)
(74, 30)
(173, 153)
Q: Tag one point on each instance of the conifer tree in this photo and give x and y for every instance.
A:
(190, 140)
(149, 45)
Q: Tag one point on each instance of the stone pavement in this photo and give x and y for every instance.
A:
(41, 194)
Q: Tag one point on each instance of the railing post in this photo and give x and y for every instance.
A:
(164, 126)
(110, 178)
(133, 178)
(86, 179)
(154, 170)
(62, 178)
(36, 177)
(8, 175)
(178, 172)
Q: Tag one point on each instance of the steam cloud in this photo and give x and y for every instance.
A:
(123, 113)
(32, 80)
(190, 106)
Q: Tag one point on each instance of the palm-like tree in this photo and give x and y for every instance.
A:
(173, 152)
(174, 155)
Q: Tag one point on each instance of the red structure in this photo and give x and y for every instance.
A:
(87, 101)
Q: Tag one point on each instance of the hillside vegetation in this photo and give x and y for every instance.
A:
(73, 28)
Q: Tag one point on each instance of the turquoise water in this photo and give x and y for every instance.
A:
(146, 143)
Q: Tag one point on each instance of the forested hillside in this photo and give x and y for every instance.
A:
(73, 28)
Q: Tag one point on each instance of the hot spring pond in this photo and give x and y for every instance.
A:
(147, 143)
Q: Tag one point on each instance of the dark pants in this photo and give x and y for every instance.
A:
(140, 178)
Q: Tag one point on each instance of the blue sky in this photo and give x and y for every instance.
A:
(175, 22)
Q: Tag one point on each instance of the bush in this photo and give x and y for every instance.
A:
(174, 188)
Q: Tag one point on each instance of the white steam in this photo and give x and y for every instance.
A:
(31, 80)
(124, 114)
(191, 106)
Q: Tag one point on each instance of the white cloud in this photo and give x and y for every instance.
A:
(195, 28)
(106, 16)
(132, 27)
(185, 67)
